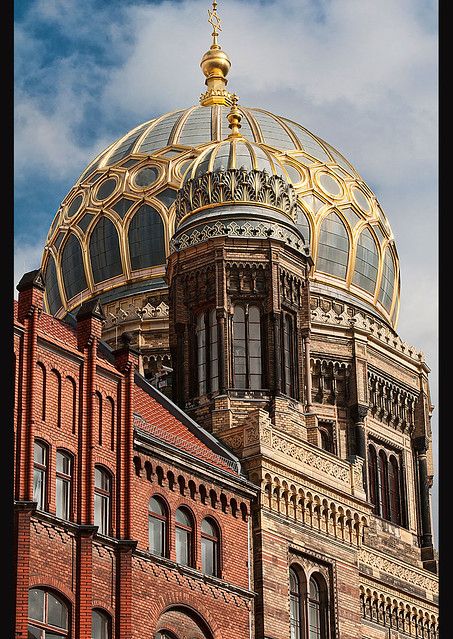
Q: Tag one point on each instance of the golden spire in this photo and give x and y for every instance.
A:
(215, 65)
(234, 118)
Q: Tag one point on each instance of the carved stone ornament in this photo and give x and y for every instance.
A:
(236, 185)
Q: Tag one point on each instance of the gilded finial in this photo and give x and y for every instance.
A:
(215, 65)
(214, 20)
(234, 118)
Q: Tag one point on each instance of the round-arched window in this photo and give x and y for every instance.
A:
(184, 537)
(48, 615)
(157, 521)
(333, 247)
(209, 547)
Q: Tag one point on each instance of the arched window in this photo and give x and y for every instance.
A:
(317, 608)
(383, 485)
(72, 267)
(326, 439)
(40, 473)
(157, 527)
(52, 289)
(146, 238)
(48, 615)
(295, 605)
(289, 348)
(105, 251)
(207, 352)
(366, 262)
(373, 479)
(394, 491)
(387, 281)
(102, 500)
(63, 488)
(247, 367)
(209, 547)
(333, 247)
(100, 625)
(184, 537)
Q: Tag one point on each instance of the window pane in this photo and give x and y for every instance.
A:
(314, 621)
(146, 238)
(155, 506)
(35, 633)
(36, 604)
(57, 613)
(208, 528)
(208, 556)
(100, 626)
(101, 513)
(333, 247)
(156, 536)
(182, 518)
(39, 454)
(182, 546)
(72, 267)
(39, 487)
(62, 498)
(105, 251)
(63, 463)
(101, 479)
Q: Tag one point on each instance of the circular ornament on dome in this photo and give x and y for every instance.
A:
(75, 205)
(106, 188)
(361, 200)
(329, 184)
(145, 177)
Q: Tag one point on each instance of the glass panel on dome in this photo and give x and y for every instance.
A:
(146, 238)
(309, 144)
(333, 247)
(106, 189)
(84, 221)
(126, 146)
(57, 241)
(197, 128)
(329, 184)
(222, 158)
(146, 176)
(203, 166)
(159, 134)
(171, 153)
(388, 281)
(105, 251)
(303, 225)
(167, 197)
(95, 177)
(366, 265)
(245, 129)
(340, 160)
(129, 163)
(351, 216)
(52, 290)
(379, 233)
(243, 157)
(263, 162)
(123, 206)
(72, 267)
(293, 173)
(75, 205)
(313, 203)
(273, 132)
(361, 200)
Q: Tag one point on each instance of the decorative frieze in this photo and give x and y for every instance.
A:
(395, 568)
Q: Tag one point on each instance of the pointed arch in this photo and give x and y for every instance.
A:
(104, 249)
(333, 246)
(366, 262)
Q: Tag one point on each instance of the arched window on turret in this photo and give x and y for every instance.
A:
(289, 354)
(207, 352)
(317, 608)
(247, 365)
(394, 491)
(383, 485)
(373, 478)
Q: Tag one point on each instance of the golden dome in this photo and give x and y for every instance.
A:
(111, 235)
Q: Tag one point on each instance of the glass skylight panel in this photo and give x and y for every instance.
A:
(303, 225)
(197, 128)
(366, 266)
(309, 144)
(351, 216)
(273, 132)
(158, 137)
(388, 281)
(72, 267)
(123, 206)
(105, 251)
(53, 293)
(167, 197)
(146, 238)
(126, 146)
(333, 247)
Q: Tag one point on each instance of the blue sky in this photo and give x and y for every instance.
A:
(360, 74)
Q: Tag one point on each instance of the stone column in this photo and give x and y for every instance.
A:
(307, 373)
